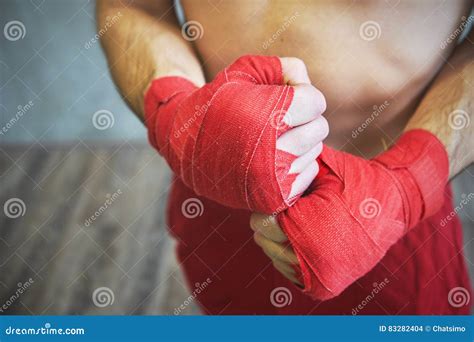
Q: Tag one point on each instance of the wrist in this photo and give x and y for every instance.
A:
(420, 162)
(162, 90)
(160, 102)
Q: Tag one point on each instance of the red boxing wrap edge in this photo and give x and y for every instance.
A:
(357, 209)
(221, 139)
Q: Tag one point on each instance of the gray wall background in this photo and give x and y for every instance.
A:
(52, 67)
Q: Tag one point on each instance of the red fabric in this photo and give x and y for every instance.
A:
(357, 209)
(418, 271)
(221, 139)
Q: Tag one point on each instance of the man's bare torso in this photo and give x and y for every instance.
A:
(371, 59)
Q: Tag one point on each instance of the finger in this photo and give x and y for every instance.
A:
(284, 267)
(301, 163)
(301, 139)
(275, 250)
(308, 103)
(304, 179)
(287, 271)
(268, 226)
(294, 71)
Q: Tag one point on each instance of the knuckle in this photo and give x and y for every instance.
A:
(318, 149)
(318, 99)
(311, 97)
(322, 100)
(324, 127)
(297, 63)
(316, 130)
(307, 90)
(310, 135)
(294, 68)
(253, 223)
(313, 169)
(256, 238)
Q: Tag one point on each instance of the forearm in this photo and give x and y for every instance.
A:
(144, 44)
(448, 106)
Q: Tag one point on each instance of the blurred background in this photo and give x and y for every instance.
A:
(68, 144)
(69, 147)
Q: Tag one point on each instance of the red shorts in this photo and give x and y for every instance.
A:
(415, 276)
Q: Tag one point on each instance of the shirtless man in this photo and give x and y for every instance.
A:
(384, 74)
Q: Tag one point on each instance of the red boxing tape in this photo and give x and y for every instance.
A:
(221, 139)
(356, 209)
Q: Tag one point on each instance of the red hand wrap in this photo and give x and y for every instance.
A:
(221, 138)
(357, 209)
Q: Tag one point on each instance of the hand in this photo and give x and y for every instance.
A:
(274, 243)
(248, 139)
(308, 128)
(357, 209)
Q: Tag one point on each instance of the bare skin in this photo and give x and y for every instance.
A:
(404, 66)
